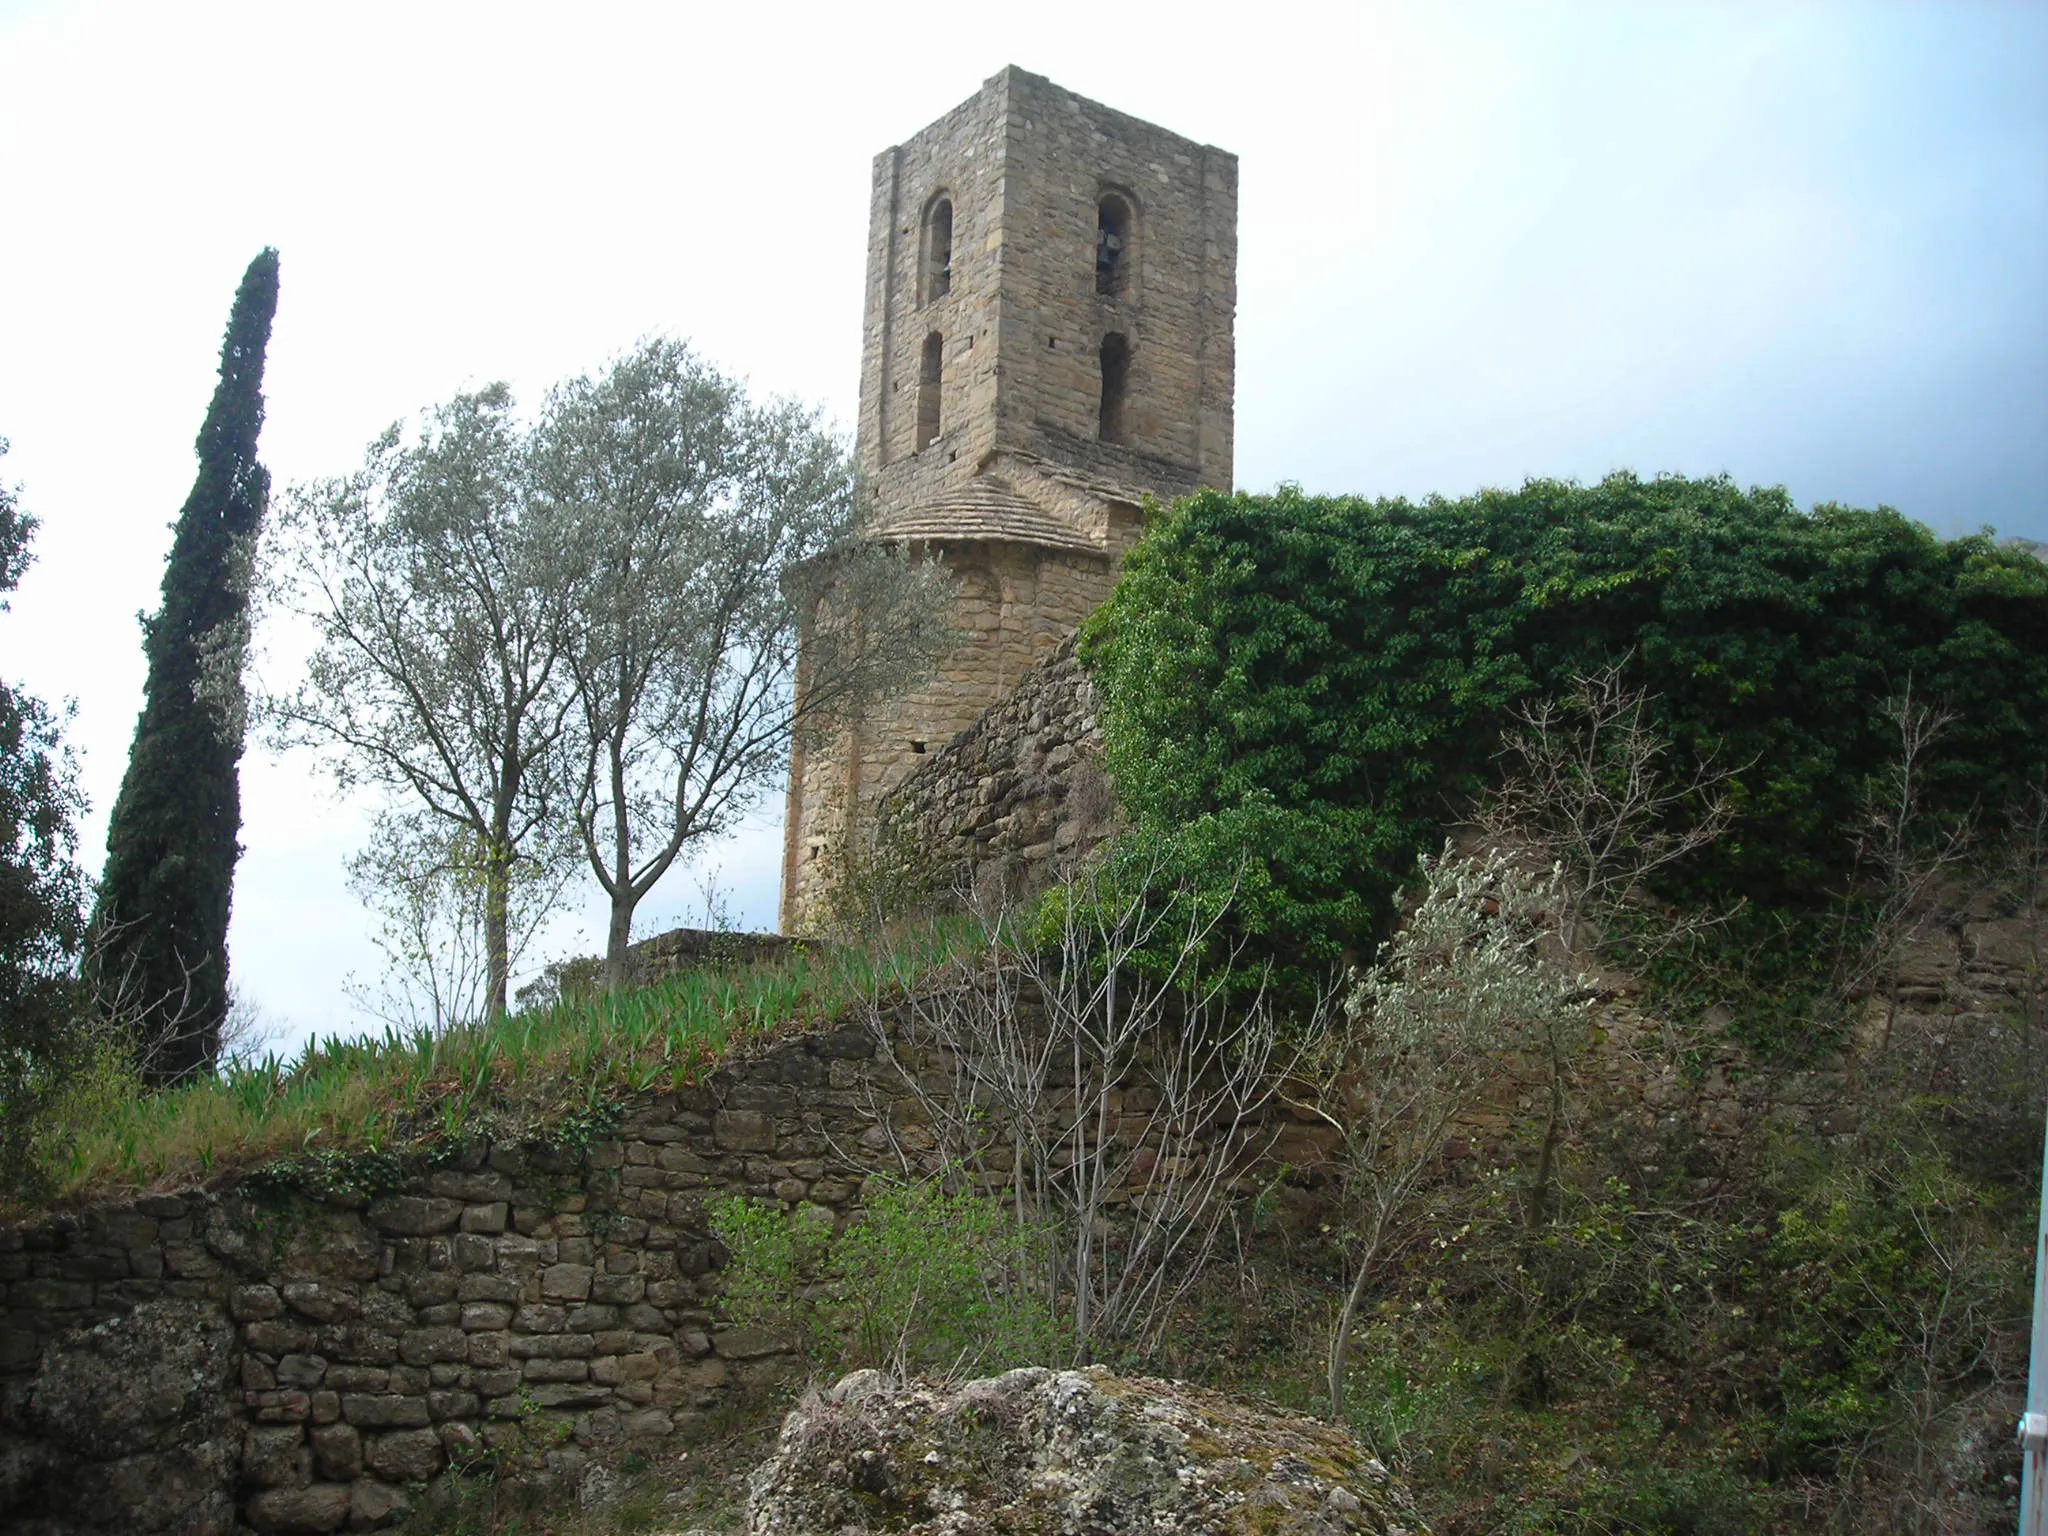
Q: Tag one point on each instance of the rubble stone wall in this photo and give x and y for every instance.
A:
(1017, 797)
(515, 1297)
(250, 1351)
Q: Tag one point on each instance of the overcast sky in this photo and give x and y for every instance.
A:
(1804, 245)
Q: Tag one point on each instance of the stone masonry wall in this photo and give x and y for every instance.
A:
(243, 1352)
(1017, 796)
(515, 1297)
(1017, 604)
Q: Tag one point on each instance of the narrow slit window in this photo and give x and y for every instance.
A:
(1112, 246)
(930, 375)
(938, 249)
(1116, 379)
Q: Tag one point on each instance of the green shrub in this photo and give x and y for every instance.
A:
(920, 1279)
(1312, 688)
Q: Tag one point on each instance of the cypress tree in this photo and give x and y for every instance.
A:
(159, 953)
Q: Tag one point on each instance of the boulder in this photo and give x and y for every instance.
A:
(127, 1427)
(1080, 1453)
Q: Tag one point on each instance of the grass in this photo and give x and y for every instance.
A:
(406, 1092)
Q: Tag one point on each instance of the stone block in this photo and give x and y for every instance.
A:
(338, 1452)
(746, 1344)
(384, 1411)
(485, 1316)
(301, 1370)
(276, 1456)
(566, 1282)
(323, 1301)
(487, 1350)
(540, 1319)
(618, 1289)
(489, 1288)
(407, 1456)
(414, 1215)
(373, 1505)
(423, 1346)
(568, 1394)
(477, 1188)
(431, 1288)
(490, 1218)
(553, 1346)
(355, 1344)
(280, 1407)
(454, 1404)
(556, 1370)
(299, 1511)
(743, 1130)
(358, 1378)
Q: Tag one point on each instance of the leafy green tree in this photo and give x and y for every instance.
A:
(1320, 685)
(42, 896)
(160, 951)
(700, 532)
(439, 672)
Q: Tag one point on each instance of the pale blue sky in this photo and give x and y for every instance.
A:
(1803, 244)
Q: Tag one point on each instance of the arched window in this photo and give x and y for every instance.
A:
(930, 372)
(1112, 245)
(937, 263)
(1116, 379)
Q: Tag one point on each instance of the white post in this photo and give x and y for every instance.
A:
(2034, 1426)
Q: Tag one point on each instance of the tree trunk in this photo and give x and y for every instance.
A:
(618, 940)
(497, 945)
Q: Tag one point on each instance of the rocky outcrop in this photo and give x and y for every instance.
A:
(1078, 1453)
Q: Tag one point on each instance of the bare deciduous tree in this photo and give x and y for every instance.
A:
(1109, 1089)
(1900, 856)
(1591, 792)
(1590, 789)
(430, 890)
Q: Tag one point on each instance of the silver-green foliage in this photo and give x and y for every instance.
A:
(1427, 1031)
(703, 536)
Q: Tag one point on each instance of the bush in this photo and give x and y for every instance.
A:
(920, 1279)
(1318, 685)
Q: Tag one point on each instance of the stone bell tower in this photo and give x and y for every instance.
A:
(1048, 342)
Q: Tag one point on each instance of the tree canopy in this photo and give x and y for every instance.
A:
(42, 890)
(699, 532)
(577, 637)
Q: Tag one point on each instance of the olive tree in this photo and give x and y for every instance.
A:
(440, 619)
(700, 537)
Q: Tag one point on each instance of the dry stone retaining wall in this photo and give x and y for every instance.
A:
(555, 1301)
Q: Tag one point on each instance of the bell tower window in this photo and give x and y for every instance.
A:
(930, 375)
(1116, 378)
(1112, 245)
(938, 248)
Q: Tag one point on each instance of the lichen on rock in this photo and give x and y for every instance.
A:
(1036, 1452)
